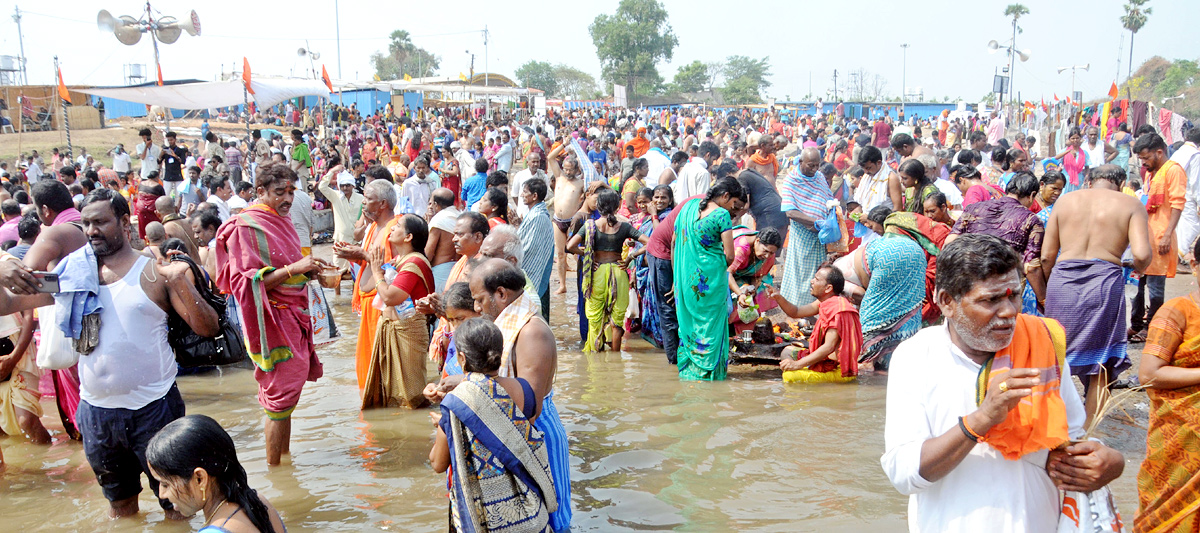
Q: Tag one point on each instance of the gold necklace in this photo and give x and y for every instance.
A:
(214, 513)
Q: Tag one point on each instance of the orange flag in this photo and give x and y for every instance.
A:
(62, 89)
(1055, 97)
(325, 78)
(246, 75)
(1113, 92)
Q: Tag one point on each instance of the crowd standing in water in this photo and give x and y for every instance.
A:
(978, 265)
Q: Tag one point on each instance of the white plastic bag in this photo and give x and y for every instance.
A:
(56, 351)
(1092, 512)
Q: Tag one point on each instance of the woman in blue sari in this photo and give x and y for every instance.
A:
(500, 474)
(655, 205)
(703, 251)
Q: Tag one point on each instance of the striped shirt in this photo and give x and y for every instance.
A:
(537, 238)
(808, 194)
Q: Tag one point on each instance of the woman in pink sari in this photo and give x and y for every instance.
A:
(753, 258)
(1073, 160)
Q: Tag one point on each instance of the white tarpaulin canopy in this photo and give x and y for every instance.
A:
(213, 94)
(401, 85)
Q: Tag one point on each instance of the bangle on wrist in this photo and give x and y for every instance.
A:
(288, 269)
(967, 431)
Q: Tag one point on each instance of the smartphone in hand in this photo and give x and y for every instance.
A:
(48, 281)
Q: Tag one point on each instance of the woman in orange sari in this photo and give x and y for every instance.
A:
(1169, 481)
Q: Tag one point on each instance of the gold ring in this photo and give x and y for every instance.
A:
(1004, 386)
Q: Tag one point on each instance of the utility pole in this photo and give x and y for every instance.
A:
(904, 78)
(21, 39)
(337, 25)
(835, 85)
(1012, 57)
(487, 102)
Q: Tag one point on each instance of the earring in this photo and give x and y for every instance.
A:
(203, 497)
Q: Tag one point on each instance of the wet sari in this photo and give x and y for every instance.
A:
(639, 277)
(891, 307)
(931, 236)
(1169, 480)
(749, 271)
(701, 292)
(500, 474)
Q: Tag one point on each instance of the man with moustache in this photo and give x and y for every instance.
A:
(978, 401)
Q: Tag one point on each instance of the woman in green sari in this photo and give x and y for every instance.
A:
(703, 251)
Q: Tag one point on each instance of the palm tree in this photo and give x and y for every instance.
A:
(1015, 11)
(401, 48)
(1134, 18)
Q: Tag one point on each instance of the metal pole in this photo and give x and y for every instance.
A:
(904, 78)
(66, 118)
(1012, 57)
(337, 24)
(21, 39)
(487, 102)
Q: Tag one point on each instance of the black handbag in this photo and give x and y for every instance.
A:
(193, 350)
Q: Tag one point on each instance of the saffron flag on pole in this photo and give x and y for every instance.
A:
(325, 78)
(246, 75)
(62, 89)
(1055, 97)
(1113, 92)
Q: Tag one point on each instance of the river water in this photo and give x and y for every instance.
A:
(647, 452)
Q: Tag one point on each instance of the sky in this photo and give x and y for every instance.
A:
(806, 41)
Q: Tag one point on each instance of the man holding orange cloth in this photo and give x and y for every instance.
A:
(979, 399)
(379, 204)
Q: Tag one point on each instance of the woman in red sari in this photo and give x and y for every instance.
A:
(149, 190)
(448, 169)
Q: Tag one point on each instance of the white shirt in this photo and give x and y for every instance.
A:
(693, 179)
(121, 162)
(1189, 222)
(466, 163)
(132, 364)
(149, 158)
(930, 384)
(33, 173)
(415, 192)
(301, 214)
(659, 162)
(953, 194)
(1095, 154)
(518, 183)
(504, 158)
(222, 206)
(872, 191)
(236, 202)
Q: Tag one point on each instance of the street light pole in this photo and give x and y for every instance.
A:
(337, 25)
(21, 39)
(904, 78)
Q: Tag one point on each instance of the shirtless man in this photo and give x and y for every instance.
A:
(567, 180)
(177, 227)
(442, 217)
(763, 161)
(908, 147)
(671, 173)
(1087, 233)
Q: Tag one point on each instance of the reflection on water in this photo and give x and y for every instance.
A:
(647, 453)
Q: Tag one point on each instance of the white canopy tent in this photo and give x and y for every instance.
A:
(213, 94)
(401, 85)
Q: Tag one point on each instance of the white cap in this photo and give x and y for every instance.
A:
(345, 178)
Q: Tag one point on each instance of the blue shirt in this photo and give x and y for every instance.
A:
(599, 156)
(473, 188)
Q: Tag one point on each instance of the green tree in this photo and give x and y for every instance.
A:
(740, 91)
(630, 42)
(1134, 18)
(1016, 11)
(574, 83)
(1182, 75)
(403, 57)
(745, 78)
(691, 78)
(538, 75)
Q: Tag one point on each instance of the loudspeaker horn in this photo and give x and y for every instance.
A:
(128, 31)
(1024, 54)
(168, 30)
(192, 25)
(993, 45)
(105, 21)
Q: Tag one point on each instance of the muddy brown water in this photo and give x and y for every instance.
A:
(647, 451)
